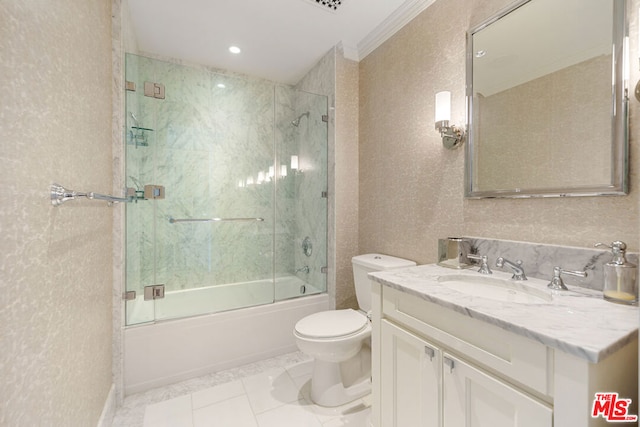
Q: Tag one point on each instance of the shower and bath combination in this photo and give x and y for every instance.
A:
(216, 273)
(224, 246)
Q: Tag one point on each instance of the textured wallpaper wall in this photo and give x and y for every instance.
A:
(411, 188)
(346, 175)
(56, 263)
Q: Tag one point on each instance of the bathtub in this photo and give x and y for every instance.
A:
(176, 348)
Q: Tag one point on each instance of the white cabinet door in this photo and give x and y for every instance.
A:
(474, 399)
(410, 379)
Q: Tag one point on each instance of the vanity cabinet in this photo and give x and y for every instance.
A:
(424, 386)
(435, 367)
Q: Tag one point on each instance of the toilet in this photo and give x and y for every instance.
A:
(340, 340)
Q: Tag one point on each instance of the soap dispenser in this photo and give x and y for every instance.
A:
(619, 276)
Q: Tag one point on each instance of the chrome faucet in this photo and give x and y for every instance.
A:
(518, 272)
(304, 269)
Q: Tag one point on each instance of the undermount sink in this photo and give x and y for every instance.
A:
(495, 289)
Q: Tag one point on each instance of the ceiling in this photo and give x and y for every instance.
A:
(281, 40)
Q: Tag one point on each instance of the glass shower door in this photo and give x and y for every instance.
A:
(231, 178)
(301, 194)
(208, 241)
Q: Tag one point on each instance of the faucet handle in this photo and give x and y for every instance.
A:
(484, 265)
(557, 283)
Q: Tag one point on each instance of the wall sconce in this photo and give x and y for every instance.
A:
(452, 136)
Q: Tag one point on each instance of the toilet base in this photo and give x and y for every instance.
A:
(329, 387)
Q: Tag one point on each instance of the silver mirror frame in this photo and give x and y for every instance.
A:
(619, 120)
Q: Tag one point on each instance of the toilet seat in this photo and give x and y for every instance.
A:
(332, 324)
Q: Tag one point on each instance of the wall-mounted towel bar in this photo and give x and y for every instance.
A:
(173, 220)
(59, 195)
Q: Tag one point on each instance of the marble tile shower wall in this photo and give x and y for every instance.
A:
(207, 142)
(538, 260)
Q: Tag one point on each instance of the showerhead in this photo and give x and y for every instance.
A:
(296, 122)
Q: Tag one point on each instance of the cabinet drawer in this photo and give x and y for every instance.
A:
(510, 356)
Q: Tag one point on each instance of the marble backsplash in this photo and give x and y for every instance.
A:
(538, 260)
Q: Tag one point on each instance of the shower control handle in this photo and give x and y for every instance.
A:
(307, 246)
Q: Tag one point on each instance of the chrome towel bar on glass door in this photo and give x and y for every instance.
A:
(173, 220)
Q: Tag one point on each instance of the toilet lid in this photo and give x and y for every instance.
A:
(335, 323)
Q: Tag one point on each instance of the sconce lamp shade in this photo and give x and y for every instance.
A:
(452, 136)
(294, 162)
(443, 106)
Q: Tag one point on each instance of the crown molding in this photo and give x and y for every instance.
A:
(398, 19)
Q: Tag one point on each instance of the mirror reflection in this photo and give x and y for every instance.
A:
(544, 120)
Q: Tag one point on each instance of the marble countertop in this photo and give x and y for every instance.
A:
(579, 321)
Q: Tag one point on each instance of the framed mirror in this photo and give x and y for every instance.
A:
(547, 101)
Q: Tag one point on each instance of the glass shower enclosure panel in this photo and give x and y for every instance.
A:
(204, 242)
(230, 177)
(301, 220)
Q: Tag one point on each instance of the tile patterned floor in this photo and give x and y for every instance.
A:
(270, 393)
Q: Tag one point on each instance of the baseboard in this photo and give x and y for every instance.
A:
(109, 409)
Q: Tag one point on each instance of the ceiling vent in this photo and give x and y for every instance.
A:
(331, 4)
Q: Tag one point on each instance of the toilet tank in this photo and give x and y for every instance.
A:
(365, 264)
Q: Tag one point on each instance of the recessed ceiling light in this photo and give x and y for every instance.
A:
(234, 49)
(221, 85)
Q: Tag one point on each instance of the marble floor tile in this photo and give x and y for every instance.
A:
(345, 411)
(216, 394)
(304, 368)
(170, 413)
(234, 412)
(272, 392)
(355, 419)
(291, 415)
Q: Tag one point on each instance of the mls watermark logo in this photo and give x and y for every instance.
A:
(613, 409)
